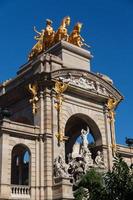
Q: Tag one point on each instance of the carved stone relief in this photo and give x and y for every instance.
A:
(85, 83)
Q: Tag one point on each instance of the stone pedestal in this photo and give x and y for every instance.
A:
(71, 55)
(62, 189)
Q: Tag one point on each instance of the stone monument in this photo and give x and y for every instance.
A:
(47, 112)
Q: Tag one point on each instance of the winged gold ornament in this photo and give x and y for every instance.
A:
(33, 89)
(60, 87)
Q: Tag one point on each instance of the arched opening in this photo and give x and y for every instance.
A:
(73, 128)
(20, 165)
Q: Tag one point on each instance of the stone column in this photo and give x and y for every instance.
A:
(41, 146)
(37, 171)
(5, 178)
(62, 188)
(48, 145)
(39, 152)
(108, 138)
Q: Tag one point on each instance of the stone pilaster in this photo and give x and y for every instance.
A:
(48, 146)
(108, 138)
(41, 146)
(5, 174)
(62, 189)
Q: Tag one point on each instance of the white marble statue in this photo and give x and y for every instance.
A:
(84, 142)
(75, 150)
(79, 148)
(99, 160)
(88, 161)
(60, 168)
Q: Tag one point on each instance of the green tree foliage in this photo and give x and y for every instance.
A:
(113, 185)
(119, 182)
(92, 181)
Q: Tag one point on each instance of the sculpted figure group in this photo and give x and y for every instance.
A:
(48, 37)
(79, 161)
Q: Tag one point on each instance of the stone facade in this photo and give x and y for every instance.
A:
(84, 104)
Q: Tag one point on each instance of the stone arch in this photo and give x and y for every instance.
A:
(73, 130)
(20, 165)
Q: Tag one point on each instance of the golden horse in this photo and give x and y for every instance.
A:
(61, 33)
(75, 37)
(38, 47)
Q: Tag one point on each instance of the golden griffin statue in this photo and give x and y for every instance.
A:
(48, 37)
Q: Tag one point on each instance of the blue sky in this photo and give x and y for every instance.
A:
(108, 29)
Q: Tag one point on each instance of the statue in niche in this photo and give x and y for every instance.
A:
(99, 160)
(76, 150)
(60, 168)
(87, 160)
(79, 148)
(84, 142)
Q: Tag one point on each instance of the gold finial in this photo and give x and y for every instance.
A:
(33, 89)
(61, 33)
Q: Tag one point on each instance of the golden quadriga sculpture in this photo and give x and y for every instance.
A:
(48, 37)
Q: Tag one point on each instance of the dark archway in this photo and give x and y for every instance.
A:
(20, 165)
(73, 129)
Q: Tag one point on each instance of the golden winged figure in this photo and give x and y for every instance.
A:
(112, 103)
(33, 89)
(60, 87)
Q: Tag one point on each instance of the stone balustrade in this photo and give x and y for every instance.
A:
(20, 191)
